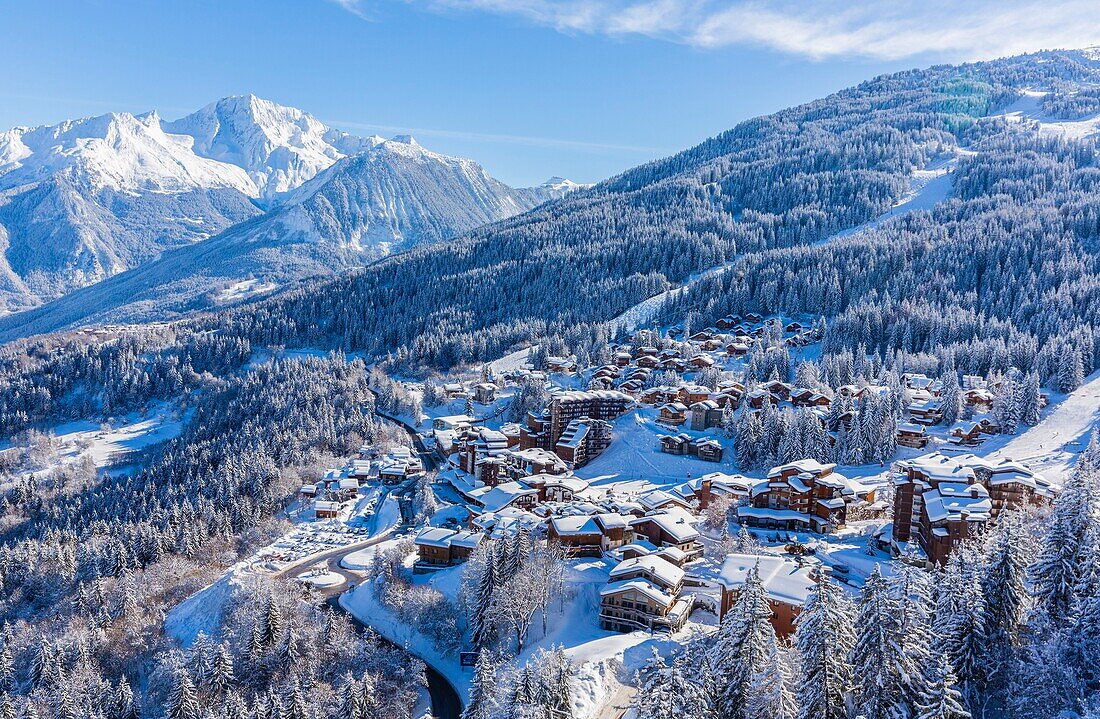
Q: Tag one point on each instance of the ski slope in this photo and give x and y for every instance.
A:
(1052, 445)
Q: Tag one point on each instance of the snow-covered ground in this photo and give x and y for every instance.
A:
(1027, 108)
(1052, 446)
(635, 454)
(244, 289)
(112, 442)
(603, 659)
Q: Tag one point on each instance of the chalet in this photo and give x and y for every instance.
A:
(671, 528)
(922, 383)
(485, 392)
(701, 491)
(400, 465)
(782, 390)
(509, 494)
(804, 495)
(752, 317)
(709, 450)
(912, 435)
(326, 510)
(308, 491)
(706, 414)
(621, 359)
(564, 365)
(660, 395)
(788, 584)
(968, 434)
(689, 394)
(728, 322)
(438, 547)
(347, 488)
(672, 364)
(794, 327)
(809, 398)
(643, 593)
(672, 414)
(590, 535)
(940, 500)
(647, 361)
(678, 444)
(658, 500)
(632, 386)
(927, 412)
(980, 399)
(557, 487)
(454, 390)
(709, 346)
(702, 336)
(737, 348)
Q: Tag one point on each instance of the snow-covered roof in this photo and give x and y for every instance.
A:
(643, 586)
(502, 495)
(673, 524)
(784, 581)
(653, 565)
(575, 525)
(811, 466)
(779, 515)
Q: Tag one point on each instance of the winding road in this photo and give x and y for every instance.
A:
(444, 698)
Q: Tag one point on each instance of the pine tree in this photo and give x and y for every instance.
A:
(480, 626)
(183, 701)
(1031, 409)
(770, 695)
(271, 624)
(123, 701)
(349, 707)
(1004, 585)
(482, 703)
(880, 665)
(1056, 572)
(960, 619)
(951, 398)
(743, 646)
(824, 638)
(1071, 373)
(7, 709)
(942, 700)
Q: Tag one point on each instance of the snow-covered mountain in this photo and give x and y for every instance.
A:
(83, 200)
(393, 196)
(278, 147)
(556, 188)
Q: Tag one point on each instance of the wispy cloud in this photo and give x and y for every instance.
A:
(355, 7)
(816, 28)
(550, 142)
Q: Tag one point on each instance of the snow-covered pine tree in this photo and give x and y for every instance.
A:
(824, 638)
(951, 397)
(1056, 572)
(960, 619)
(482, 703)
(1003, 584)
(942, 700)
(880, 665)
(183, 700)
(742, 646)
(480, 618)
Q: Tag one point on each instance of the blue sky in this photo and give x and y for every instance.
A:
(529, 88)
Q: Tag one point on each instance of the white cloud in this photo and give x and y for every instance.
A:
(883, 29)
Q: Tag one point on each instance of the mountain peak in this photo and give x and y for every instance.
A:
(406, 140)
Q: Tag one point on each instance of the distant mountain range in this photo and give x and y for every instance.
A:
(243, 194)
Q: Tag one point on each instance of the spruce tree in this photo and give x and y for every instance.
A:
(183, 701)
(482, 703)
(824, 638)
(880, 665)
